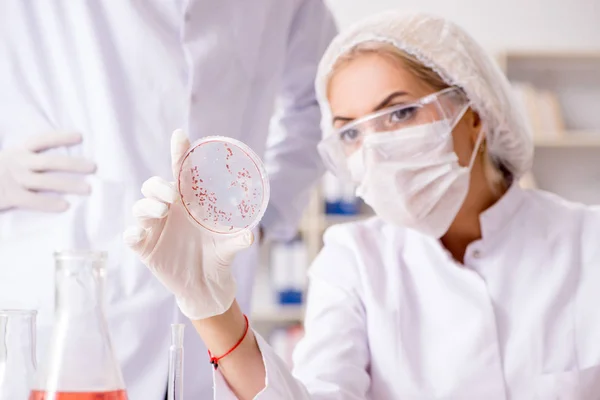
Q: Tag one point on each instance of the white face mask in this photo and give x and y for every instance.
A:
(412, 177)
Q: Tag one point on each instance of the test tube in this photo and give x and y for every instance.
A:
(176, 363)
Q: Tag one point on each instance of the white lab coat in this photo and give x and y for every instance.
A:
(125, 74)
(392, 316)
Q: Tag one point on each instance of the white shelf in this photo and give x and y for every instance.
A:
(289, 313)
(537, 54)
(334, 219)
(572, 140)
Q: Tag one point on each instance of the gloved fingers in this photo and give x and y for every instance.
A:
(52, 140)
(52, 162)
(55, 183)
(179, 146)
(149, 213)
(146, 222)
(135, 237)
(227, 249)
(39, 202)
(151, 209)
(159, 189)
(241, 241)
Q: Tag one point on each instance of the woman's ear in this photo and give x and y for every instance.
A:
(474, 123)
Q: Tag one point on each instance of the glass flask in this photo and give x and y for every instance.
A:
(80, 363)
(17, 353)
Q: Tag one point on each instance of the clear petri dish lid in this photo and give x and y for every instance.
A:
(223, 185)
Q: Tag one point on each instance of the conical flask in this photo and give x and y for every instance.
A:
(80, 363)
(17, 353)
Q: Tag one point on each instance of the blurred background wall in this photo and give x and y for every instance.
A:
(516, 24)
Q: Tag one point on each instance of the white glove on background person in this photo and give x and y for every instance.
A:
(192, 263)
(24, 172)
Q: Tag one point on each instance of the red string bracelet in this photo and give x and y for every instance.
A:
(215, 360)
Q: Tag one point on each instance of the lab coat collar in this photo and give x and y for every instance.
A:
(493, 220)
(501, 214)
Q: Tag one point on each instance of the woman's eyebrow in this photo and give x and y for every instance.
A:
(343, 119)
(389, 98)
(383, 104)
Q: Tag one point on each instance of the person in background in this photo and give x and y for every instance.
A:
(463, 286)
(89, 90)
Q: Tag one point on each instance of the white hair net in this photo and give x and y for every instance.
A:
(460, 61)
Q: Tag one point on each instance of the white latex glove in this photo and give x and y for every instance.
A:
(192, 263)
(23, 172)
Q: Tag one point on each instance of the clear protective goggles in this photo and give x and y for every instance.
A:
(448, 105)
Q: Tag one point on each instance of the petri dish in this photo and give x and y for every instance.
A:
(223, 185)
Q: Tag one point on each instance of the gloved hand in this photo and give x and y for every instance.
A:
(192, 263)
(23, 173)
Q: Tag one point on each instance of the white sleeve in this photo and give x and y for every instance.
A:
(331, 360)
(280, 384)
(587, 315)
(291, 157)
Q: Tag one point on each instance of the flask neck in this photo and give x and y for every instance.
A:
(80, 286)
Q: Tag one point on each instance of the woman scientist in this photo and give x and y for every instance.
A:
(464, 286)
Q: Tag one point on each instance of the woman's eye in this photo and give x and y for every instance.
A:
(349, 135)
(402, 115)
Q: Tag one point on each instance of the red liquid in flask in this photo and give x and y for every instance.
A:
(110, 395)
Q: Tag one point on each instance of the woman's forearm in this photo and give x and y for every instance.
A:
(243, 368)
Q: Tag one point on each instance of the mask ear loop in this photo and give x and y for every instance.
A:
(479, 138)
(478, 143)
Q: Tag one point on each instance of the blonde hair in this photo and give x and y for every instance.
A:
(396, 56)
(495, 172)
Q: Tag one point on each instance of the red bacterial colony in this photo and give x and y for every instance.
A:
(246, 208)
(204, 197)
(229, 152)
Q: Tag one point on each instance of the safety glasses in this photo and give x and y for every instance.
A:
(448, 104)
